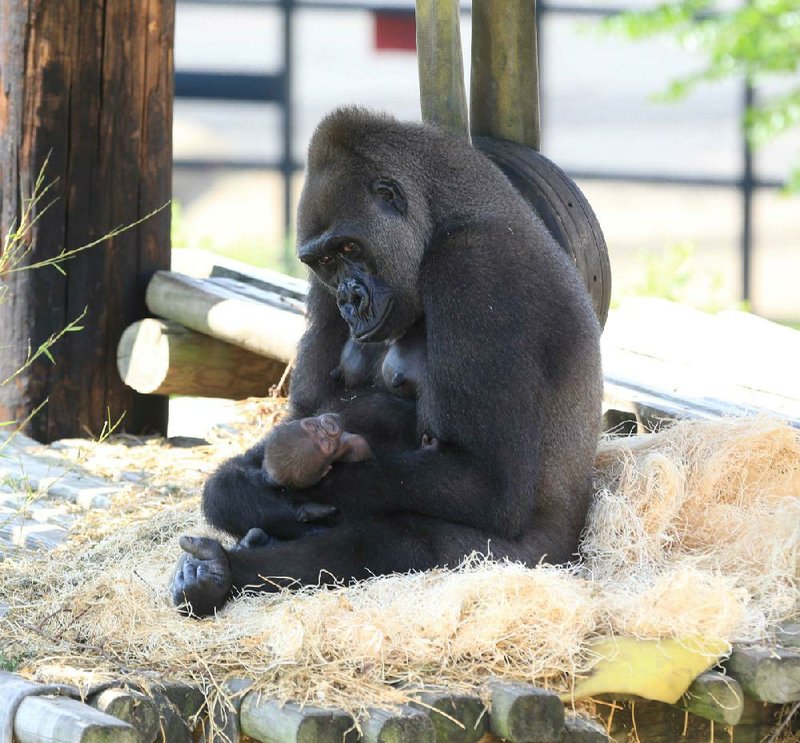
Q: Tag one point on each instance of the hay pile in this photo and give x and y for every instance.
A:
(695, 532)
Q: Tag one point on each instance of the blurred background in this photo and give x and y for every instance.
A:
(689, 211)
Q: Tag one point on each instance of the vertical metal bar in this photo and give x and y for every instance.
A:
(504, 90)
(442, 94)
(287, 160)
(747, 188)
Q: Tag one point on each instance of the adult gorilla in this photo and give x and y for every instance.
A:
(401, 224)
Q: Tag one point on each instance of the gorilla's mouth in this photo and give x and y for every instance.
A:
(366, 334)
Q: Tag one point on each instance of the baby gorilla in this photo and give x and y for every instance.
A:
(298, 454)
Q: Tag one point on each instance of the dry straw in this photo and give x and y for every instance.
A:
(695, 532)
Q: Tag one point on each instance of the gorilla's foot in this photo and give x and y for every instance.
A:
(202, 579)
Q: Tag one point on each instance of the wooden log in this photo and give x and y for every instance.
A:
(161, 357)
(103, 123)
(263, 278)
(260, 295)
(715, 696)
(583, 730)
(406, 725)
(172, 727)
(526, 714)
(767, 675)
(456, 718)
(443, 97)
(788, 636)
(504, 79)
(188, 699)
(130, 706)
(62, 720)
(226, 315)
(269, 722)
(222, 724)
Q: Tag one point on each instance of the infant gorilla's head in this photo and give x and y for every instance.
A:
(300, 453)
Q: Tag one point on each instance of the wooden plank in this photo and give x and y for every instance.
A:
(443, 97)
(456, 718)
(504, 78)
(701, 363)
(715, 696)
(406, 725)
(269, 722)
(526, 714)
(62, 720)
(130, 706)
(220, 313)
(767, 675)
(265, 279)
(162, 357)
(103, 124)
(257, 294)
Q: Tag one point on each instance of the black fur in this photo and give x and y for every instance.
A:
(420, 223)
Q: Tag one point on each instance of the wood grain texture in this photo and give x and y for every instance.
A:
(504, 79)
(88, 88)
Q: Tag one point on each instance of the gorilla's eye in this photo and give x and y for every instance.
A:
(324, 259)
(389, 191)
(349, 248)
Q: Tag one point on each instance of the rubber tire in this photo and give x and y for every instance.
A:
(562, 207)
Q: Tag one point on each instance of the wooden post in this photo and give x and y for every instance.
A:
(88, 88)
(504, 81)
(443, 97)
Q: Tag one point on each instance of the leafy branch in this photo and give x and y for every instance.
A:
(759, 41)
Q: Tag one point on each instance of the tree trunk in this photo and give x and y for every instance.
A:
(87, 87)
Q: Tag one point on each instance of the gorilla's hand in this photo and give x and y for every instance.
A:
(201, 582)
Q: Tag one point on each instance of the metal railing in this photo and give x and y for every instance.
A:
(277, 88)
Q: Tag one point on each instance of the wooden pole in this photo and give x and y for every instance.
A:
(504, 81)
(88, 88)
(443, 97)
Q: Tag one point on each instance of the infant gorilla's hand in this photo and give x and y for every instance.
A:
(202, 579)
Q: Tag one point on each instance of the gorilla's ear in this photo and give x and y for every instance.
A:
(390, 192)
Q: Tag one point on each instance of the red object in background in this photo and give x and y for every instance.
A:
(395, 30)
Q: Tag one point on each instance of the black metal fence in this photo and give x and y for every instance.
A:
(277, 88)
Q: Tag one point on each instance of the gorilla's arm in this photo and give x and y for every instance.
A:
(489, 379)
(238, 496)
(318, 354)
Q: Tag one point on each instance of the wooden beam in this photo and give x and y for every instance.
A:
(526, 714)
(216, 311)
(269, 722)
(504, 79)
(132, 707)
(768, 675)
(456, 718)
(443, 97)
(406, 725)
(62, 720)
(86, 88)
(161, 357)
(715, 696)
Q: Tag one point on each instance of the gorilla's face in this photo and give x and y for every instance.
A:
(357, 235)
